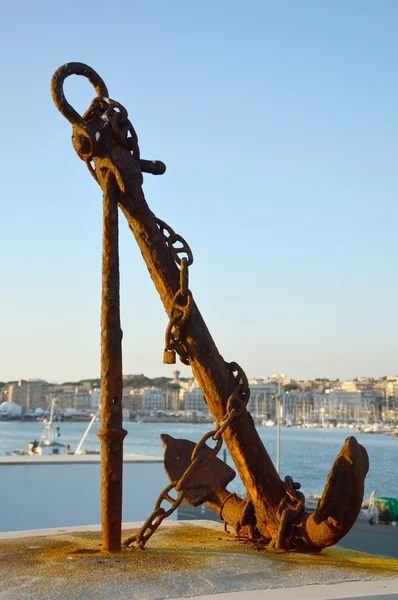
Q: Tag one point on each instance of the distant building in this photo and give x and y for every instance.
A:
(86, 384)
(18, 393)
(82, 398)
(134, 402)
(391, 392)
(95, 399)
(305, 385)
(261, 394)
(357, 385)
(349, 386)
(173, 401)
(299, 406)
(63, 395)
(152, 399)
(29, 394)
(132, 399)
(4, 394)
(194, 400)
(342, 404)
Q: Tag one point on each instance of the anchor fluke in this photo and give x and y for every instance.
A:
(208, 483)
(204, 483)
(341, 500)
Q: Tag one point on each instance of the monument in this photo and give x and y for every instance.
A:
(273, 513)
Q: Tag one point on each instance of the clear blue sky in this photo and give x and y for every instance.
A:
(278, 124)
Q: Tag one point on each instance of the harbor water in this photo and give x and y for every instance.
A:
(306, 454)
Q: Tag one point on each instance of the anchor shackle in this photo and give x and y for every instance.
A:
(57, 88)
(86, 139)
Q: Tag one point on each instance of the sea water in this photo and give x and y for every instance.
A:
(306, 454)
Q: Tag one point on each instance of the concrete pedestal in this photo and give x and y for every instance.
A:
(182, 560)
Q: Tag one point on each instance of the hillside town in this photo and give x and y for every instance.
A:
(370, 402)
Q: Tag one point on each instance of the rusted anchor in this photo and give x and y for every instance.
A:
(332, 519)
(274, 510)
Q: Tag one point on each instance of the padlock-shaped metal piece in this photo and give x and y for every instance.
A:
(169, 357)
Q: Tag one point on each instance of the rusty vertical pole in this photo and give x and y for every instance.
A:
(111, 433)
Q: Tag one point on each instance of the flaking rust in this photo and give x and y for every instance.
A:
(274, 510)
(111, 433)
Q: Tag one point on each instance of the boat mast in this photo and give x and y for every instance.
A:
(48, 435)
(78, 449)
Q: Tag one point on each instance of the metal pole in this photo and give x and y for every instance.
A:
(278, 422)
(111, 433)
(77, 451)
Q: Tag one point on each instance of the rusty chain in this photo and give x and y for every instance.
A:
(159, 513)
(172, 238)
(115, 114)
(289, 509)
(240, 377)
(179, 314)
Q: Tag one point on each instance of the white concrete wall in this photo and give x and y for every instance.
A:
(62, 495)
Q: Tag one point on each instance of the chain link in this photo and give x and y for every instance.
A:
(114, 113)
(182, 301)
(179, 314)
(240, 379)
(289, 509)
(172, 238)
(159, 514)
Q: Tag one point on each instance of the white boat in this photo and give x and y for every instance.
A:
(373, 428)
(48, 446)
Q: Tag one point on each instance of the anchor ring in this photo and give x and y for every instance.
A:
(57, 88)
